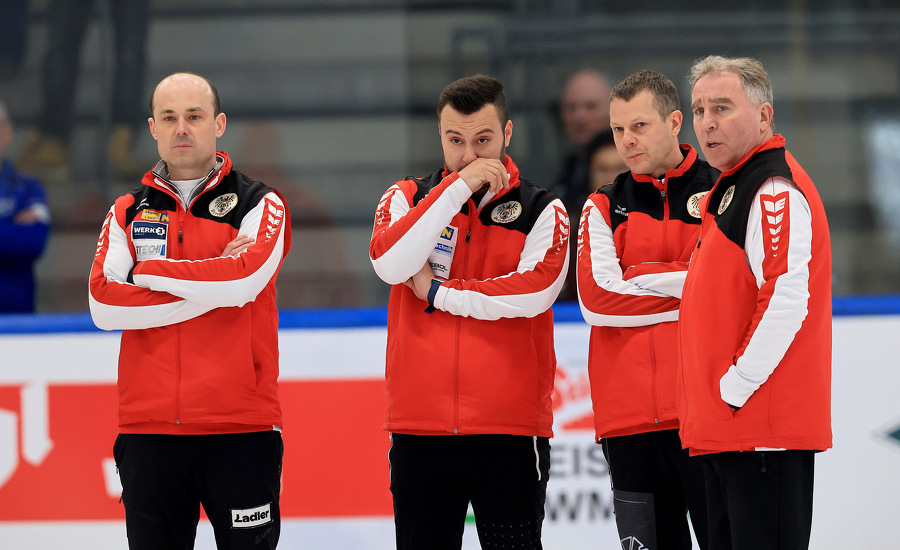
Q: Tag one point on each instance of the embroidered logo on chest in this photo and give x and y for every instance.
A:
(223, 204)
(507, 212)
(693, 204)
(726, 199)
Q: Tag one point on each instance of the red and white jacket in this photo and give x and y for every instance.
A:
(635, 237)
(199, 349)
(756, 312)
(483, 362)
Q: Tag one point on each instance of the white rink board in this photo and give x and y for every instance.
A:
(864, 463)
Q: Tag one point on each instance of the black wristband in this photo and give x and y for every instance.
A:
(432, 292)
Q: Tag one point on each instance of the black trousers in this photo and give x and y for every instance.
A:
(165, 479)
(760, 500)
(655, 483)
(433, 479)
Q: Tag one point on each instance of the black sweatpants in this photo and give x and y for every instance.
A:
(434, 477)
(760, 500)
(165, 479)
(655, 483)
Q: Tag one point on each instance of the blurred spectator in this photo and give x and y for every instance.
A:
(322, 276)
(46, 149)
(604, 161)
(584, 111)
(603, 164)
(24, 225)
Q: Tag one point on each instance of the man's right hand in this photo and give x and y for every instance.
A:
(485, 171)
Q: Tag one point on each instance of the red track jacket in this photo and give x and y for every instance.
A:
(756, 312)
(635, 238)
(199, 350)
(483, 362)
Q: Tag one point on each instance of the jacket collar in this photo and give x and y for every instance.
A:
(690, 156)
(775, 142)
(159, 176)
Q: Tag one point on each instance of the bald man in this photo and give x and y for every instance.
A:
(186, 268)
(584, 111)
(584, 108)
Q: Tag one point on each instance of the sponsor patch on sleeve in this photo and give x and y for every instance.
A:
(441, 257)
(149, 239)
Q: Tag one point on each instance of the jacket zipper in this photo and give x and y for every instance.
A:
(654, 405)
(181, 219)
(665, 222)
(473, 212)
(654, 398)
(694, 255)
(456, 377)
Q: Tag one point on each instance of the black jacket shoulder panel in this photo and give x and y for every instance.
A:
(627, 195)
(148, 198)
(742, 187)
(426, 184)
(519, 208)
(215, 204)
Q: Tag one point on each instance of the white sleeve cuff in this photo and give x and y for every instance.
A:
(734, 388)
(669, 284)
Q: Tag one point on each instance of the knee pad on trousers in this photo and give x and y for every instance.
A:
(635, 520)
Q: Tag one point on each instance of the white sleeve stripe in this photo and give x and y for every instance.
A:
(410, 252)
(628, 321)
(787, 308)
(118, 261)
(538, 243)
(605, 267)
(111, 317)
(226, 293)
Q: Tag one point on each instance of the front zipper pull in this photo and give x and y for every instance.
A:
(468, 234)
(179, 235)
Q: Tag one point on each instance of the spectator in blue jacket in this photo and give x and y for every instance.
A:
(24, 226)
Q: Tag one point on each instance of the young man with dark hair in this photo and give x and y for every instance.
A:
(476, 256)
(634, 242)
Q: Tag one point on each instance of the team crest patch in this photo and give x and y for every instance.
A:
(507, 212)
(222, 204)
(726, 200)
(693, 204)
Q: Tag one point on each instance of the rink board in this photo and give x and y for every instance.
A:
(58, 486)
